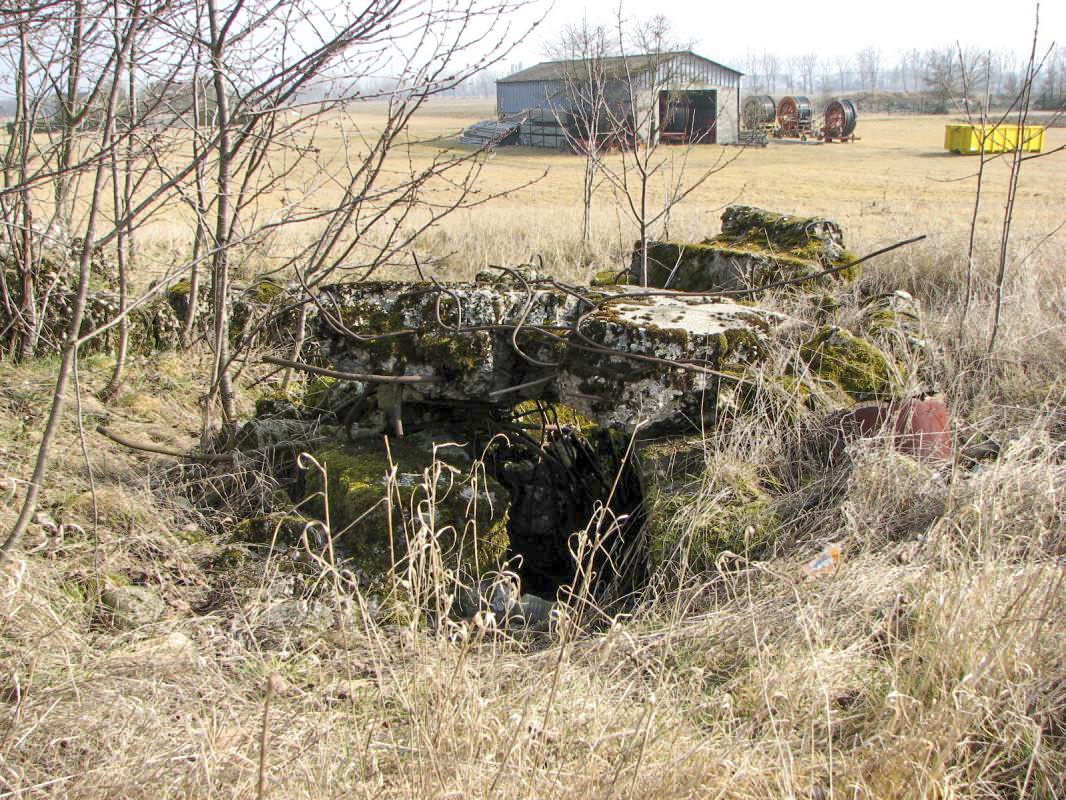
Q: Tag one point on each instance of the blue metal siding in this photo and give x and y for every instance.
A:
(514, 98)
(686, 71)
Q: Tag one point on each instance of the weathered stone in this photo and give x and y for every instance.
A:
(696, 511)
(851, 363)
(755, 249)
(783, 232)
(623, 367)
(635, 378)
(609, 277)
(132, 606)
(516, 275)
(893, 319)
(259, 434)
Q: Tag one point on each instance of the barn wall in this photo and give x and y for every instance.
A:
(685, 72)
(513, 98)
(728, 115)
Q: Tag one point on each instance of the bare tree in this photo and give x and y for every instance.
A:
(869, 60)
(941, 76)
(791, 69)
(263, 61)
(125, 20)
(751, 65)
(585, 54)
(825, 68)
(770, 66)
(650, 178)
(842, 65)
(808, 64)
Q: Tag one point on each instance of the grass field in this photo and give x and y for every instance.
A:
(897, 181)
(930, 665)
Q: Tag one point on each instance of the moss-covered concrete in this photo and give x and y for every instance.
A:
(608, 277)
(696, 510)
(894, 321)
(372, 519)
(756, 248)
(854, 364)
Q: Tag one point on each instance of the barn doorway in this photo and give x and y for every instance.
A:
(688, 117)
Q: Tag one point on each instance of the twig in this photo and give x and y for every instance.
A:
(160, 450)
(520, 386)
(351, 376)
(260, 791)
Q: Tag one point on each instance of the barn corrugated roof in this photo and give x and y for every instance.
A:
(556, 70)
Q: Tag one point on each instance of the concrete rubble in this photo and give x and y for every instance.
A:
(639, 358)
(755, 249)
(625, 379)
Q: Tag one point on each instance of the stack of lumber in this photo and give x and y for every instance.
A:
(490, 133)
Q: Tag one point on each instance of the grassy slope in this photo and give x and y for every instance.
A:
(930, 665)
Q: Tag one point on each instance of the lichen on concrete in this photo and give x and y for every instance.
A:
(617, 371)
(756, 248)
(894, 320)
(659, 333)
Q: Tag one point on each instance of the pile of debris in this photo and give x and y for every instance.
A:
(490, 133)
(755, 250)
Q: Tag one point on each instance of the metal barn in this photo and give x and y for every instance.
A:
(699, 99)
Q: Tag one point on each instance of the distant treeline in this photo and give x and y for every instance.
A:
(929, 81)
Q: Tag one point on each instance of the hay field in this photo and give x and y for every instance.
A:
(929, 666)
(897, 181)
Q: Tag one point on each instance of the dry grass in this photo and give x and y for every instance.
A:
(930, 665)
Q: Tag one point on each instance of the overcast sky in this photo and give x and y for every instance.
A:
(724, 30)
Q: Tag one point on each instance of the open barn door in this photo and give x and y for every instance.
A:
(688, 117)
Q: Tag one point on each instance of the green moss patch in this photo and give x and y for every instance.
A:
(372, 521)
(756, 248)
(698, 510)
(852, 363)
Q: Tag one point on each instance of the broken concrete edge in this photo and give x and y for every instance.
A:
(755, 249)
(632, 356)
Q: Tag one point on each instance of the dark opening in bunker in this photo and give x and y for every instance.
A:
(557, 489)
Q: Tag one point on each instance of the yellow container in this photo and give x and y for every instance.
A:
(997, 138)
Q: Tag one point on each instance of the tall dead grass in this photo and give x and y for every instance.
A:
(930, 664)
